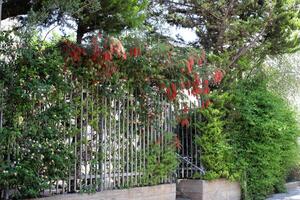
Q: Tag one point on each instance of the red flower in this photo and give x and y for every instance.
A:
(171, 92)
(184, 122)
(196, 85)
(135, 52)
(189, 67)
(124, 56)
(206, 90)
(177, 142)
(218, 76)
(191, 61)
(107, 56)
(207, 103)
(205, 82)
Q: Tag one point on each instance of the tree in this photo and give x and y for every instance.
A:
(106, 15)
(237, 30)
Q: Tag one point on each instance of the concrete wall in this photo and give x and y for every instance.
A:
(159, 192)
(220, 189)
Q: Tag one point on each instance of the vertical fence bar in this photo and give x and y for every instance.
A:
(75, 148)
(70, 141)
(114, 142)
(195, 135)
(86, 122)
(93, 140)
(127, 141)
(191, 143)
(119, 143)
(81, 135)
(97, 163)
(123, 140)
(136, 142)
(144, 153)
(103, 144)
(131, 142)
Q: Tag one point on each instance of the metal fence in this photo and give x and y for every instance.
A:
(189, 154)
(110, 142)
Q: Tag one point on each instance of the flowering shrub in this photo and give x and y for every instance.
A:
(39, 76)
(144, 70)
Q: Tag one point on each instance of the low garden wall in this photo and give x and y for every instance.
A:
(158, 192)
(220, 189)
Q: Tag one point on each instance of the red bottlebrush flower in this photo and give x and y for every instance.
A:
(191, 61)
(131, 52)
(173, 87)
(177, 142)
(206, 90)
(196, 85)
(135, 52)
(218, 76)
(184, 122)
(196, 91)
(207, 103)
(107, 56)
(205, 82)
(124, 56)
(189, 67)
(96, 50)
(171, 92)
(202, 105)
(174, 91)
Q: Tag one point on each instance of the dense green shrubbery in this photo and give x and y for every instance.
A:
(215, 149)
(160, 162)
(33, 152)
(259, 130)
(263, 131)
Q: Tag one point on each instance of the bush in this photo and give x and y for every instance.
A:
(215, 149)
(33, 152)
(263, 132)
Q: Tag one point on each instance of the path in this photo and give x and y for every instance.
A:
(293, 194)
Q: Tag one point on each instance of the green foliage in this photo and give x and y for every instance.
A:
(237, 30)
(263, 133)
(216, 153)
(160, 162)
(111, 16)
(33, 152)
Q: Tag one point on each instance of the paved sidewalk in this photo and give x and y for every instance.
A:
(293, 194)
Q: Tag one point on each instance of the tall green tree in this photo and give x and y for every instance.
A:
(239, 33)
(105, 15)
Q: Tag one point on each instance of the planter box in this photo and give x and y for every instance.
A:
(219, 189)
(158, 192)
